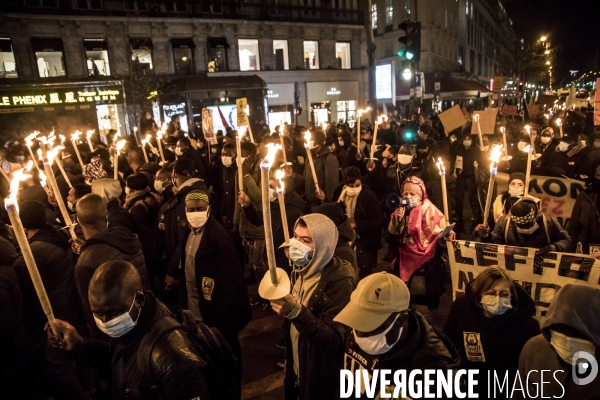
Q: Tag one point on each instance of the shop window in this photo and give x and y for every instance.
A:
(96, 54)
(280, 54)
(249, 58)
(320, 112)
(374, 16)
(183, 55)
(141, 55)
(217, 54)
(311, 55)
(346, 112)
(49, 57)
(342, 55)
(8, 68)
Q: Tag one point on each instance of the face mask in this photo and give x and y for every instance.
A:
(516, 192)
(127, 191)
(414, 201)
(178, 151)
(197, 219)
(404, 159)
(341, 143)
(528, 231)
(272, 196)
(299, 252)
(70, 205)
(467, 143)
(376, 345)
(495, 305)
(521, 146)
(546, 139)
(20, 158)
(563, 146)
(118, 326)
(566, 346)
(596, 143)
(353, 191)
(158, 186)
(227, 161)
(485, 148)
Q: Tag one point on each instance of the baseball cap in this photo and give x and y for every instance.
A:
(375, 298)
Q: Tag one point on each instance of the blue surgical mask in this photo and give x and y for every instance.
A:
(299, 252)
(495, 305)
(118, 326)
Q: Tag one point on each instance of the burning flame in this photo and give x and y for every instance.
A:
(89, 134)
(361, 112)
(52, 153)
(29, 139)
(502, 129)
(279, 174)
(75, 135)
(307, 139)
(146, 139)
(496, 153)
(28, 167)
(476, 117)
(528, 129)
(120, 145)
(272, 149)
(558, 122)
(18, 176)
(325, 124)
(62, 139)
(381, 119)
(440, 166)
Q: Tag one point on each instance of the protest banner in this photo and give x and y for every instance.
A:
(487, 120)
(242, 117)
(557, 195)
(541, 276)
(452, 118)
(207, 124)
(509, 110)
(534, 110)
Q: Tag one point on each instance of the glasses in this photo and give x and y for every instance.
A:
(502, 293)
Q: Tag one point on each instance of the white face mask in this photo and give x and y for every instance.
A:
(272, 195)
(528, 231)
(20, 158)
(299, 252)
(583, 143)
(118, 326)
(467, 143)
(546, 139)
(70, 205)
(404, 159)
(376, 345)
(516, 192)
(495, 305)
(596, 143)
(563, 146)
(227, 161)
(485, 148)
(341, 143)
(127, 191)
(158, 186)
(178, 151)
(566, 346)
(414, 201)
(353, 191)
(197, 219)
(521, 146)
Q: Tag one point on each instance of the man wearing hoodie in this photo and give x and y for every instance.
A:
(102, 245)
(386, 334)
(570, 329)
(326, 169)
(322, 285)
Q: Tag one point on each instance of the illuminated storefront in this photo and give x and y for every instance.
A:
(64, 107)
(332, 101)
(280, 99)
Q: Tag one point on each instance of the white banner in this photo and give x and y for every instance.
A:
(541, 276)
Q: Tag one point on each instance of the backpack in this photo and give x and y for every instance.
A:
(220, 369)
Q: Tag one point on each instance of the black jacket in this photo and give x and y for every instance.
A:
(109, 245)
(367, 216)
(321, 341)
(584, 227)
(174, 363)
(56, 263)
(223, 296)
(538, 239)
(500, 337)
(327, 171)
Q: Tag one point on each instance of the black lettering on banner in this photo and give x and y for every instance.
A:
(533, 185)
(537, 298)
(526, 286)
(539, 262)
(562, 188)
(483, 250)
(463, 280)
(509, 256)
(585, 267)
(576, 188)
(458, 255)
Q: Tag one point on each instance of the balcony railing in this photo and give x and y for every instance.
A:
(262, 10)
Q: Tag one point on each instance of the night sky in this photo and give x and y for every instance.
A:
(572, 25)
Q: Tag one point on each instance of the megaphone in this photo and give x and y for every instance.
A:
(394, 201)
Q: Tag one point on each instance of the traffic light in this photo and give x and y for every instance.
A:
(411, 40)
(411, 133)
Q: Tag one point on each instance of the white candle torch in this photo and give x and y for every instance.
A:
(118, 147)
(559, 123)
(275, 284)
(74, 139)
(359, 113)
(88, 136)
(159, 136)
(29, 143)
(506, 156)
(50, 157)
(442, 170)
(380, 120)
(144, 141)
(135, 135)
(238, 159)
(310, 160)
(476, 119)
(495, 157)
(282, 140)
(528, 170)
(279, 174)
(19, 232)
(148, 139)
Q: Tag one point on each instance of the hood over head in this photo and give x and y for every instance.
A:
(120, 238)
(107, 188)
(325, 238)
(8, 253)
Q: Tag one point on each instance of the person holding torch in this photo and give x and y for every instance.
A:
(322, 177)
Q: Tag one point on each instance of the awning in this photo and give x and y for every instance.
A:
(450, 88)
(5, 45)
(141, 44)
(200, 83)
(186, 43)
(218, 42)
(43, 44)
(95, 44)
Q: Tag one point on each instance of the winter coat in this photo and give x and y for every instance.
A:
(423, 347)
(468, 157)
(578, 307)
(321, 341)
(223, 296)
(500, 339)
(584, 227)
(56, 263)
(252, 188)
(538, 239)
(16, 348)
(367, 216)
(109, 245)
(174, 365)
(143, 208)
(199, 165)
(327, 171)
(558, 163)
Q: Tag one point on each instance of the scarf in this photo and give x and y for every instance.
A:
(350, 202)
(575, 149)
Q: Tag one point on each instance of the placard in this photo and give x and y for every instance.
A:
(452, 118)
(207, 124)
(242, 117)
(534, 110)
(540, 276)
(509, 110)
(487, 121)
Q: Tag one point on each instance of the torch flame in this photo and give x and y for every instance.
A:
(62, 139)
(558, 122)
(279, 174)
(272, 149)
(381, 119)
(501, 129)
(52, 153)
(29, 139)
(89, 134)
(496, 153)
(146, 139)
(476, 117)
(51, 138)
(440, 166)
(120, 145)
(325, 125)
(28, 167)
(307, 139)
(75, 135)
(528, 129)
(18, 176)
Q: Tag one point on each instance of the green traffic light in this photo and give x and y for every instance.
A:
(401, 53)
(408, 135)
(409, 55)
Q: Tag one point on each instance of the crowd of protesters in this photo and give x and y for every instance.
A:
(151, 296)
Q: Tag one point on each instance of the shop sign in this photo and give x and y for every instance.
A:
(272, 95)
(47, 97)
(333, 92)
(383, 81)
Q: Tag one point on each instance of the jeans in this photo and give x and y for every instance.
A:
(256, 256)
(465, 186)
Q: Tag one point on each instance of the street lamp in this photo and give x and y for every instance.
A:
(407, 74)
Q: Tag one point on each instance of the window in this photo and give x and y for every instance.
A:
(183, 55)
(8, 68)
(346, 112)
(96, 54)
(311, 55)
(249, 58)
(141, 55)
(217, 54)
(50, 57)
(374, 15)
(280, 54)
(342, 55)
(389, 13)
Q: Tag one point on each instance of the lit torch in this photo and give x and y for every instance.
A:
(495, 157)
(144, 141)
(559, 123)
(119, 146)
(238, 159)
(506, 156)
(279, 174)
(528, 173)
(380, 120)
(310, 160)
(88, 136)
(29, 143)
(359, 114)
(442, 170)
(74, 139)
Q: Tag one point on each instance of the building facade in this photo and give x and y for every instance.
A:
(316, 50)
